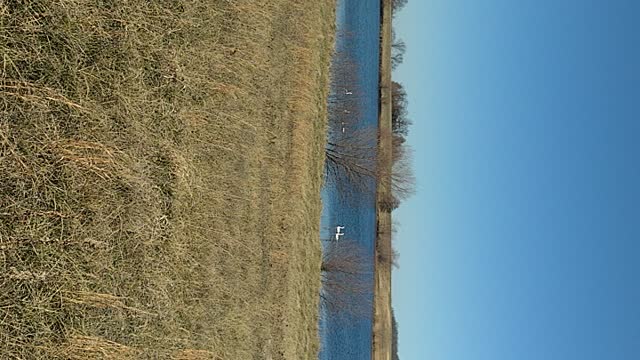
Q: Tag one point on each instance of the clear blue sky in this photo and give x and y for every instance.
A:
(523, 241)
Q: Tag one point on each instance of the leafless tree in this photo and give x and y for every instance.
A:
(403, 180)
(385, 251)
(347, 280)
(400, 121)
(398, 175)
(388, 255)
(351, 161)
(389, 203)
(398, 49)
(353, 164)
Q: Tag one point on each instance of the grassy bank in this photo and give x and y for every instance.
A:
(382, 327)
(160, 170)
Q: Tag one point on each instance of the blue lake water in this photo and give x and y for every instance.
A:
(359, 23)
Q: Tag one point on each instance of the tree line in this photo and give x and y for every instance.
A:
(400, 123)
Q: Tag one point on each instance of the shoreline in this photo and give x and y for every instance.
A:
(382, 322)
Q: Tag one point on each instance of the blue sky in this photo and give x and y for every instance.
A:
(523, 241)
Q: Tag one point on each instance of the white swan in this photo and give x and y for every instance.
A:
(338, 232)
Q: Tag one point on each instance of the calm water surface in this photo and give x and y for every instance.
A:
(359, 20)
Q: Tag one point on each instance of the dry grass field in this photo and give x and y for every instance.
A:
(160, 170)
(382, 325)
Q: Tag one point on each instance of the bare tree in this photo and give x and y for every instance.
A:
(351, 161)
(347, 280)
(397, 175)
(385, 251)
(388, 255)
(398, 49)
(399, 113)
(353, 165)
(403, 180)
(389, 203)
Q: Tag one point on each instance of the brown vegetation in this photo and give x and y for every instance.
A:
(382, 321)
(351, 161)
(346, 280)
(396, 171)
(159, 179)
(398, 49)
(403, 181)
(397, 184)
(386, 254)
(400, 121)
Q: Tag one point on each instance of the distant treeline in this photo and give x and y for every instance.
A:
(400, 126)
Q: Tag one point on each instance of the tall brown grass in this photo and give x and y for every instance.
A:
(159, 183)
